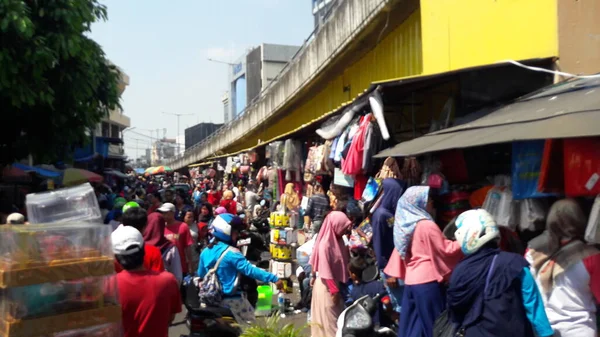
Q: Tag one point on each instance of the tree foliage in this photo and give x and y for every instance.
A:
(55, 81)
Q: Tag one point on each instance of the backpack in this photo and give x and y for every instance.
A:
(210, 290)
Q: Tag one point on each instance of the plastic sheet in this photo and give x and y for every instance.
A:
(526, 167)
(54, 325)
(78, 203)
(36, 254)
(592, 230)
(46, 299)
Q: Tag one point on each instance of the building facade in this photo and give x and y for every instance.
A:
(197, 133)
(252, 73)
(106, 151)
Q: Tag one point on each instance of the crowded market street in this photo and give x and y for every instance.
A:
(332, 168)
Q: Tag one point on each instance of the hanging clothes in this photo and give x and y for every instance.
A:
(339, 146)
(292, 159)
(353, 164)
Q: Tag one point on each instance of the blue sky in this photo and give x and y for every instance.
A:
(163, 46)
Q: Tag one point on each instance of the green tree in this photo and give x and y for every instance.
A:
(55, 82)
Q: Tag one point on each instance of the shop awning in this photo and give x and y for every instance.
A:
(40, 171)
(566, 110)
(116, 173)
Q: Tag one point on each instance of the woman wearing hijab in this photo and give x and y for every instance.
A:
(383, 235)
(329, 261)
(428, 258)
(290, 199)
(154, 235)
(205, 218)
(220, 210)
(567, 271)
(491, 292)
(229, 203)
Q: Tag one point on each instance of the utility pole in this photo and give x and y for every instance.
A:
(176, 136)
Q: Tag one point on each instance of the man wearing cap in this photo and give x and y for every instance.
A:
(179, 234)
(149, 299)
(136, 217)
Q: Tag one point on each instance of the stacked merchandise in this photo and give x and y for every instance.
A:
(284, 239)
(57, 279)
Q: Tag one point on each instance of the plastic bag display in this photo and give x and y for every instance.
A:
(532, 214)
(500, 204)
(592, 230)
(78, 203)
(582, 166)
(526, 167)
(58, 298)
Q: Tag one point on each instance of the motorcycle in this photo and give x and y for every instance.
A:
(207, 321)
(254, 249)
(357, 319)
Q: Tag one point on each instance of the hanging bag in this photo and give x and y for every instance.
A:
(442, 327)
(210, 290)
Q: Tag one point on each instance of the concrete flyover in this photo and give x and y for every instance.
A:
(346, 21)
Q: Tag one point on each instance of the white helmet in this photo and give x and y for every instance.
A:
(474, 229)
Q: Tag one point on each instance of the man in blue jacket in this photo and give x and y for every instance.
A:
(225, 231)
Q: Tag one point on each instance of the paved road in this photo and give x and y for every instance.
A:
(179, 328)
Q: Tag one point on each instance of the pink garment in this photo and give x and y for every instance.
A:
(330, 256)
(395, 267)
(332, 286)
(432, 257)
(353, 163)
(220, 210)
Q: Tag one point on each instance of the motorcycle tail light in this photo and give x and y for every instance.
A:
(198, 324)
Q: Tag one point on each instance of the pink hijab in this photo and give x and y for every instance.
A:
(330, 256)
(220, 210)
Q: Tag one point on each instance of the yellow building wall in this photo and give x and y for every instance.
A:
(465, 33)
(397, 55)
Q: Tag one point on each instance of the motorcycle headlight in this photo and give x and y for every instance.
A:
(357, 319)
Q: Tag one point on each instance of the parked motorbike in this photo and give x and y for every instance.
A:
(357, 319)
(207, 321)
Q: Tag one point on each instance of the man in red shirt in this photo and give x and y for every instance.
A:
(179, 234)
(153, 201)
(136, 217)
(149, 299)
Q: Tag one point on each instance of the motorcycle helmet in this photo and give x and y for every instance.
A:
(475, 228)
(131, 204)
(225, 224)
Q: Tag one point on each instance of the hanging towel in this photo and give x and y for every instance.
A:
(377, 107)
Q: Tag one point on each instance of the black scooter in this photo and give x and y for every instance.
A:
(253, 247)
(207, 321)
(357, 321)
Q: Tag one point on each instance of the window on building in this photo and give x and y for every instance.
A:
(114, 131)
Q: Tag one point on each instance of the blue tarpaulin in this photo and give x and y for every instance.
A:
(42, 172)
